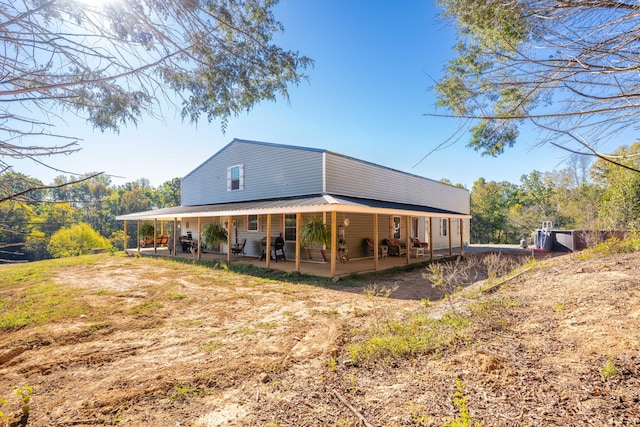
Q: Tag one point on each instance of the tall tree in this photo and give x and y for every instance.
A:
(567, 67)
(112, 62)
(620, 200)
(168, 194)
(489, 207)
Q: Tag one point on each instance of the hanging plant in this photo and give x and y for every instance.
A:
(146, 230)
(315, 231)
(214, 233)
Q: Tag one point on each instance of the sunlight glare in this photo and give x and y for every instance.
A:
(99, 3)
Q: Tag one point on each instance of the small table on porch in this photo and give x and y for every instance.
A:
(416, 252)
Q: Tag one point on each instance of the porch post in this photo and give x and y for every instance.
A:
(376, 243)
(334, 245)
(155, 235)
(267, 248)
(175, 236)
(461, 236)
(138, 236)
(199, 239)
(124, 243)
(431, 238)
(298, 221)
(407, 230)
(450, 243)
(229, 233)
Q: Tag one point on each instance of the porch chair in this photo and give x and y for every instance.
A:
(279, 246)
(239, 248)
(396, 248)
(418, 244)
(382, 249)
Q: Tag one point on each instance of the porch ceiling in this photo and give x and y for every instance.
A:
(303, 204)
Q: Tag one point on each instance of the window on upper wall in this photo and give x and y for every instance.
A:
(235, 178)
(290, 227)
(444, 225)
(253, 222)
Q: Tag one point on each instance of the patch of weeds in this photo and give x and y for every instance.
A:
(609, 369)
(418, 334)
(332, 364)
(332, 312)
(189, 323)
(244, 295)
(267, 326)
(246, 331)
(451, 276)
(24, 394)
(146, 309)
(558, 308)
(464, 418)
(610, 247)
(4, 418)
(181, 392)
(177, 297)
(418, 415)
(211, 345)
(375, 294)
(104, 292)
(490, 314)
(90, 330)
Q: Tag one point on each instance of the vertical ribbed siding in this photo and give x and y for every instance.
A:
(269, 172)
(356, 178)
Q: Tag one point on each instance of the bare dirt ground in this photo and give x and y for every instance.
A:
(167, 344)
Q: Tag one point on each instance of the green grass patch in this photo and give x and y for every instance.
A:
(418, 334)
(211, 345)
(182, 392)
(39, 304)
(145, 310)
(267, 326)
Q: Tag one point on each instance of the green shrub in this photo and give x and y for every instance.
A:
(76, 240)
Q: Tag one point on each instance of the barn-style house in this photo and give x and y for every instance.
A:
(262, 192)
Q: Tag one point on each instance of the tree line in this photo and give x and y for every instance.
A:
(589, 195)
(583, 195)
(28, 222)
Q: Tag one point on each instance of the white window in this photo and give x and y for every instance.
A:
(235, 178)
(253, 222)
(444, 226)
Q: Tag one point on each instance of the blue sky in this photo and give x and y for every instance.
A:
(367, 97)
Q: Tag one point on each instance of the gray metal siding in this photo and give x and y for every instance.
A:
(269, 172)
(352, 177)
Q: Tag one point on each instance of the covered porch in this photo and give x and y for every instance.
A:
(352, 223)
(321, 269)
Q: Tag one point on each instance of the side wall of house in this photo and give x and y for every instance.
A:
(352, 177)
(269, 171)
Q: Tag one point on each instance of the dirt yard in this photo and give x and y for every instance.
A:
(160, 343)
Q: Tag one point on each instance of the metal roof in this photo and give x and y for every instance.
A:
(290, 205)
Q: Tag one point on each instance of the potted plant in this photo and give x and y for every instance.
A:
(145, 233)
(213, 234)
(314, 235)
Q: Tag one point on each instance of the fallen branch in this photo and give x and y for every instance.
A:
(354, 410)
(502, 282)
